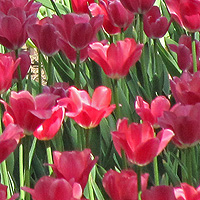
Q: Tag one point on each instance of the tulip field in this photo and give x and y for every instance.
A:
(113, 112)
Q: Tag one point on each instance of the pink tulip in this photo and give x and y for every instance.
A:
(15, 17)
(186, 13)
(150, 113)
(183, 120)
(86, 111)
(7, 69)
(138, 141)
(28, 112)
(55, 189)
(161, 192)
(81, 6)
(79, 161)
(116, 59)
(138, 6)
(123, 185)
(155, 26)
(187, 192)
(101, 9)
(9, 140)
(3, 193)
(186, 88)
(184, 53)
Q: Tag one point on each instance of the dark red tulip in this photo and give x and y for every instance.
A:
(81, 6)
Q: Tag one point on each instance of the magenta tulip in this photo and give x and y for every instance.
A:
(155, 26)
(116, 59)
(138, 141)
(9, 140)
(7, 69)
(81, 6)
(86, 111)
(79, 161)
(157, 192)
(138, 6)
(3, 193)
(123, 185)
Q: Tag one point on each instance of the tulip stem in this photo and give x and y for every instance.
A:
(77, 70)
(139, 172)
(87, 138)
(19, 83)
(49, 155)
(183, 160)
(50, 71)
(55, 8)
(21, 171)
(156, 172)
(39, 72)
(116, 98)
(189, 165)
(194, 55)
(124, 160)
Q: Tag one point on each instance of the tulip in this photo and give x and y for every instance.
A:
(187, 192)
(28, 112)
(73, 166)
(138, 6)
(3, 192)
(9, 140)
(81, 6)
(101, 9)
(44, 35)
(186, 13)
(123, 185)
(14, 20)
(184, 53)
(25, 63)
(54, 189)
(86, 111)
(186, 88)
(116, 59)
(155, 26)
(151, 113)
(183, 120)
(138, 141)
(161, 192)
(7, 69)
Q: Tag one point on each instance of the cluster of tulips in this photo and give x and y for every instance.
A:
(118, 115)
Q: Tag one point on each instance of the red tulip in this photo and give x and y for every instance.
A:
(101, 9)
(186, 13)
(155, 26)
(28, 112)
(138, 141)
(186, 88)
(81, 6)
(54, 189)
(150, 113)
(138, 6)
(3, 193)
(14, 20)
(116, 59)
(86, 111)
(7, 68)
(161, 192)
(24, 65)
(123, 185)
(187, 192)
(183, 120)
(9, 140)
(184, 53)
(39, 34)
(73, 166)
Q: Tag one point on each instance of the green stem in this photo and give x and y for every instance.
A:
(55, 8)
(21, 171)
(189, 165)
(39, 71)
(194, 55)
(139, 187)
(77, 70)
(87, 137)
(156, 172)
(124, 160)
(116, 98)
(49, 155)
(50, 72)
(5, 178)
(183, 160)
(19, 83)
